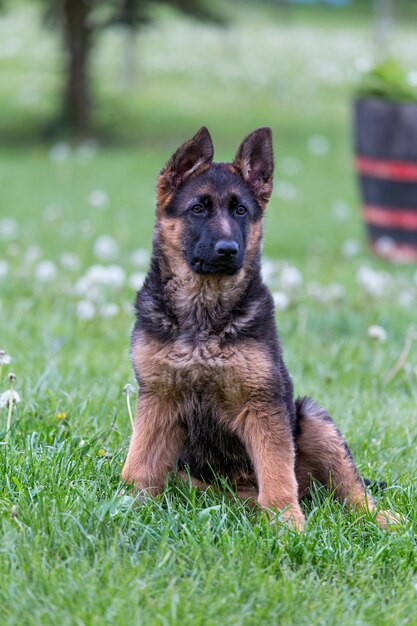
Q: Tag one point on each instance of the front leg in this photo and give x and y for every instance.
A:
(156, 443)
(266, 433)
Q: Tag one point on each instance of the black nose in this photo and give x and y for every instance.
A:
(226, 249)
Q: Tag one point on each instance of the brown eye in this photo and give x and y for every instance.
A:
(197, 209)
(241, 210)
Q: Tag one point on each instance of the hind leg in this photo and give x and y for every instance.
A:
(323, 455)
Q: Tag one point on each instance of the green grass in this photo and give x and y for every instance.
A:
(74, 549)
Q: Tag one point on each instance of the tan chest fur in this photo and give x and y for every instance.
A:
(185, 367)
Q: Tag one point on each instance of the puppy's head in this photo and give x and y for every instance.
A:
(210, 214)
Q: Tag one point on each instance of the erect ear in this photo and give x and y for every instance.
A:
(191, 157)
(255, 162)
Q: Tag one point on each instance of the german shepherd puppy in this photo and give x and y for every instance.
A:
(215, 395)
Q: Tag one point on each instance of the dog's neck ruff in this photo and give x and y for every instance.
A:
(198, 305)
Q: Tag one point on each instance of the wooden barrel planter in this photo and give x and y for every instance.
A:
(386, 164)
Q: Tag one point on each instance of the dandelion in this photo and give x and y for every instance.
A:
(85, 310)
(69, 261)
(51, 213)
(136, 280)
(406, 299)
(97, 275)
(4, 269)
(81, 443)
(32, 254)
(98, 199)
(5, 358)
(140, 257)
(8, 397)
(129, 390)
(87, 150)
(384, 245)
(9, 229)
(291, 277)
(318, 145)
(341, 210)
(268, 270)
(101, 452)
(350, 248)
(106, 248)
(61, 416)
(46, 272)
(377, 333)
(109, 309)
(281, 300)
(59, 152)
(375, 283)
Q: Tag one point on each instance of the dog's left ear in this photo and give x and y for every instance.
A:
(255, 162)
(189, 159)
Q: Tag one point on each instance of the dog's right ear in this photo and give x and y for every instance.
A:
(190, 158)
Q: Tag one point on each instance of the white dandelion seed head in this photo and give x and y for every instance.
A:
(333, 293)
(8, 397)
(70, 261)
(384, 245)
(316, 291)
(291, 278)
(268, 270)
(318, 145)
(377, 333)
(51, 213)
(86, 150)
(341, 210)
(128, 389)
(9, 229)
(373, 282)
(106, 248)
(32, 254)
(281, 300)
(136, 280)
(109, 310)
(59, 152)
(46, 272)
(406, 299)
(350, 248)
(85, 310)
(4, 269)
(5, 358)
(98, 199)
(140, 257)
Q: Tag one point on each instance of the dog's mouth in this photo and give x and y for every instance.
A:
(204, 267)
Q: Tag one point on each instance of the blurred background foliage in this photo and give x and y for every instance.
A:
(111, 68)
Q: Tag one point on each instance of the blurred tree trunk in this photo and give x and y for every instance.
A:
(76, 106)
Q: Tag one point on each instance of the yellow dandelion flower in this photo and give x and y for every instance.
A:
(101, 452)
(61, 416)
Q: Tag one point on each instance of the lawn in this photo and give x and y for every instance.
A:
(75, 235)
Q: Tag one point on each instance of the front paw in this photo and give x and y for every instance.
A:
(388, 521)
(145, 486)
(291, 515)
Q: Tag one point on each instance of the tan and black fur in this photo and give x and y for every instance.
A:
(215, 395)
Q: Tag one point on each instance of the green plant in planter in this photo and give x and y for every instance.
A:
(387, 80)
